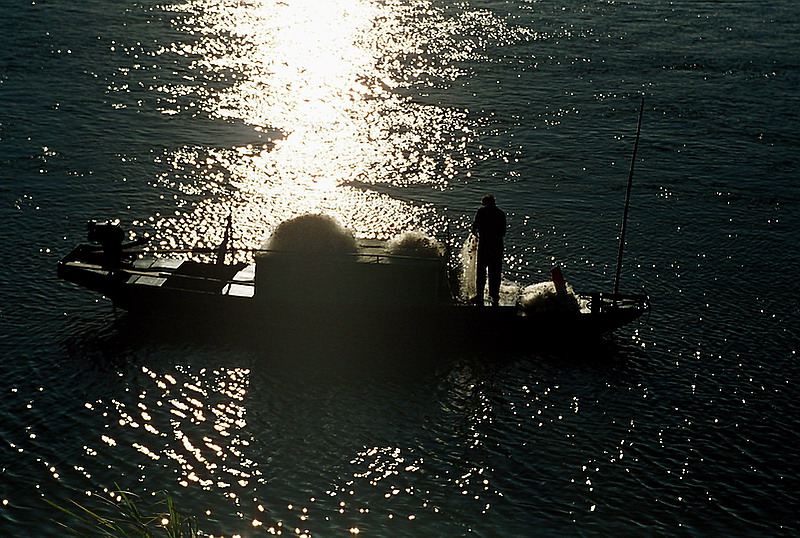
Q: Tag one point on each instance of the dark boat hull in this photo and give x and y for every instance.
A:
(172, 292)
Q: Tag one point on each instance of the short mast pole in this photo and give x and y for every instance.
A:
(226, 237)
(628, 200)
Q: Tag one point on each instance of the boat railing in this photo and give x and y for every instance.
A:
(128, 269)
(604, 302)
(377, 257)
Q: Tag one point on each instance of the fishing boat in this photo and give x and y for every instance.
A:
(312, 276)
(402, 286)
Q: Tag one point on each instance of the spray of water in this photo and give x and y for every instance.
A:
(416, 244)
(509, 293)
(469, 268)
(543, 297)
(312, 234)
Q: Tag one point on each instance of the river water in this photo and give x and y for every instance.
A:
(391, 116)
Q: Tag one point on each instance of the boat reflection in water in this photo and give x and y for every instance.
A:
(313, 278)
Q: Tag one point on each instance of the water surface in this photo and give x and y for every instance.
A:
(390, 116)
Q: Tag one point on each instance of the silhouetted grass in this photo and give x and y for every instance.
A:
(127, 517)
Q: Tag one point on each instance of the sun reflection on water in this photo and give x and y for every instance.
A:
(195, 421)
(319, 110)
(341, 107)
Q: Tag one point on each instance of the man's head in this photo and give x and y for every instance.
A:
(488, 200)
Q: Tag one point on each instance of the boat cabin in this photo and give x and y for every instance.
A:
(372, 276)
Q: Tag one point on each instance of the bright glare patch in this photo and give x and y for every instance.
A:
(316, 112)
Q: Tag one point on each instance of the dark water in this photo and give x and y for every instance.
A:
(391, 116)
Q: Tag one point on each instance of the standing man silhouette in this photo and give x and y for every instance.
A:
(490, 227)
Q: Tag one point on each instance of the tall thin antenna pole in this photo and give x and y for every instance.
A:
(628, 200)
